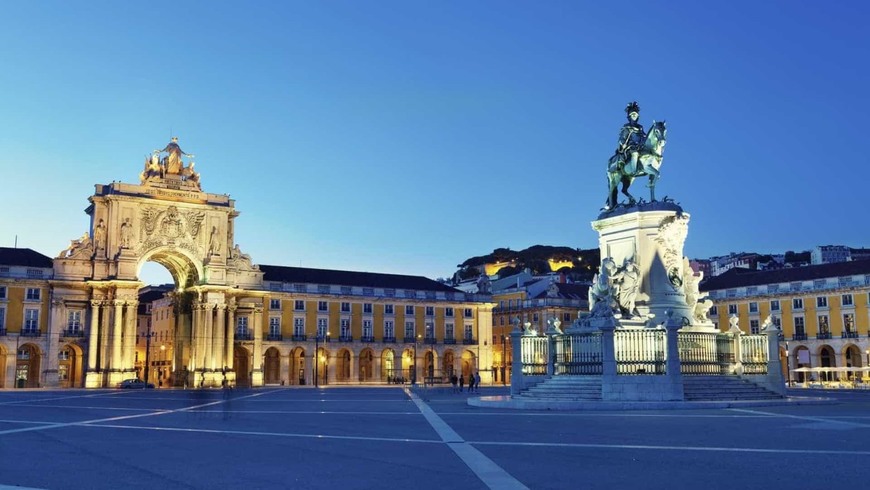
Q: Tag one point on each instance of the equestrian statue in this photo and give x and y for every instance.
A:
(638, 153)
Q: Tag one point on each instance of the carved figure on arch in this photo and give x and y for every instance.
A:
(603, 292)
(627, 278)
(100, 236)
(126, 233)
(214, 242)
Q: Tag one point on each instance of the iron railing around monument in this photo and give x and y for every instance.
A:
(640, 352)
(535, 355)
(753, 354)
(578, 354)
(705, 353)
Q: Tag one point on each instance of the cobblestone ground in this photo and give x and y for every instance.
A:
(423, 438)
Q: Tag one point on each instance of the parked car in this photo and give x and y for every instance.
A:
(135, 384)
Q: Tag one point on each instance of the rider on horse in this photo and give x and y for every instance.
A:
(631, 138)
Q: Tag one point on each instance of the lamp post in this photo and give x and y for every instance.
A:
(503, 359)
(317, 357)
(431, 351)
(787, 366)
(414, 361)
(148, 337)
(162, 358)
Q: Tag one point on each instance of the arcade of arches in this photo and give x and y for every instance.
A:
(85, 327)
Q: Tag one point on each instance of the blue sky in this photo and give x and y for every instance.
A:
(405, 137)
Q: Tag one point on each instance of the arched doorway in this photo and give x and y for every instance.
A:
(342, 373)
(69, 366)
(297, 366)
(447, 364)
(469, 366)
(827, 359)
(852, 358)
(241, 365)
(388, 366)
(801, 359)
(272, 366)
(366, 366)
(322, 366)
(409, 366)
(429, 364)
(27, 367)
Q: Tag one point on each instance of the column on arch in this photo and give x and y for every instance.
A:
(93, 335)
(208, 336)
(130, 336)
(219, 349)
(257, 360)
(117, 335)
(231, 336)
(103, 349)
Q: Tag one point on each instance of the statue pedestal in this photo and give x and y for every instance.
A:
(651, 235)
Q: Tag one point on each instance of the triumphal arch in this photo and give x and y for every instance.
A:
(168, 219)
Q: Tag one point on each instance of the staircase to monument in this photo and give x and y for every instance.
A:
(719, 388)
(567, 388)
(695, 388)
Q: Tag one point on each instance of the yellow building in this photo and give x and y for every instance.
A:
(822, 310)
(531, 300)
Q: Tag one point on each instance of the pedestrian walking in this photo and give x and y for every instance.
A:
(453, 381)
(471, 383)
(461, 382)
(477, 381)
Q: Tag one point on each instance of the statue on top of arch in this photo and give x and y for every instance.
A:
(172, 163)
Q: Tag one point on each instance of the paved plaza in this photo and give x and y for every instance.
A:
(392, 437)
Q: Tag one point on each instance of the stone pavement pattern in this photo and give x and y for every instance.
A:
(390, 437)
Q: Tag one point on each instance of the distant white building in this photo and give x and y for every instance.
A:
(830, 254)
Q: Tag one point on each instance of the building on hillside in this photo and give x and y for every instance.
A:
(533, 300)
(822, 310)
(830, 254)
(743, 260)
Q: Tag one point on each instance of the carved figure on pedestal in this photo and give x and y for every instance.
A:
(627, 278)
(100, 236)
(78, 248)
(698, 303)
(190, 175)
(214, 242)
(637, 153)
(152, 168)
(603, 292)
(172, 163)
(484, 285)
(126, 233)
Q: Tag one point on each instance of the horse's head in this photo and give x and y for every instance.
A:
(655, 138)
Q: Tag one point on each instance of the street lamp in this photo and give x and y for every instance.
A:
(317, 356)
(503, 360)
(162, 358)
(431, 351)
(787, 366)
(148, 337)
(414, 361)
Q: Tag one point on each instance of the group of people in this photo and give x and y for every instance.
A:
(458, 383)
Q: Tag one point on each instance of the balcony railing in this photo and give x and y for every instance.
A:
(409, 340)
(31, 333)
(799, 336)
(72, 333)
(367, 338)
(430, 341)
(850, 335)
(823, 335)
(244, 336)
(299, 338)
(449, 341)
(2, 332)
(275, 336)
(345, 338)
(390, 340)
(468, 341)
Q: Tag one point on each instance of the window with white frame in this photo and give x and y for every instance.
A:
(345, 307)
(753, 327)
(321, 327)
(430, 331)
(299, 305)
(824, 325)
(74, 320)
(274, 326)
(797, 303)
(774, 305)
(799, 327)
(242, 325)
(368, 331)
(389, 329)
(822, 302)
(469, 332)
(448, 311)
(409, 310)
(777, 321)
(322, 306)
(714, 311)
(849, 322)
(299, 326)
(2, 318)
(31, 319)
(535, 318)
(344, 328)
(274, 304)
(847, 300)
(732, 309)
(367, 307)
(32, 294)
(409, 330)
(753, 307)
(2, 292)
(430, 311)
(468, 313)
(388, 309)
(448, 331)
